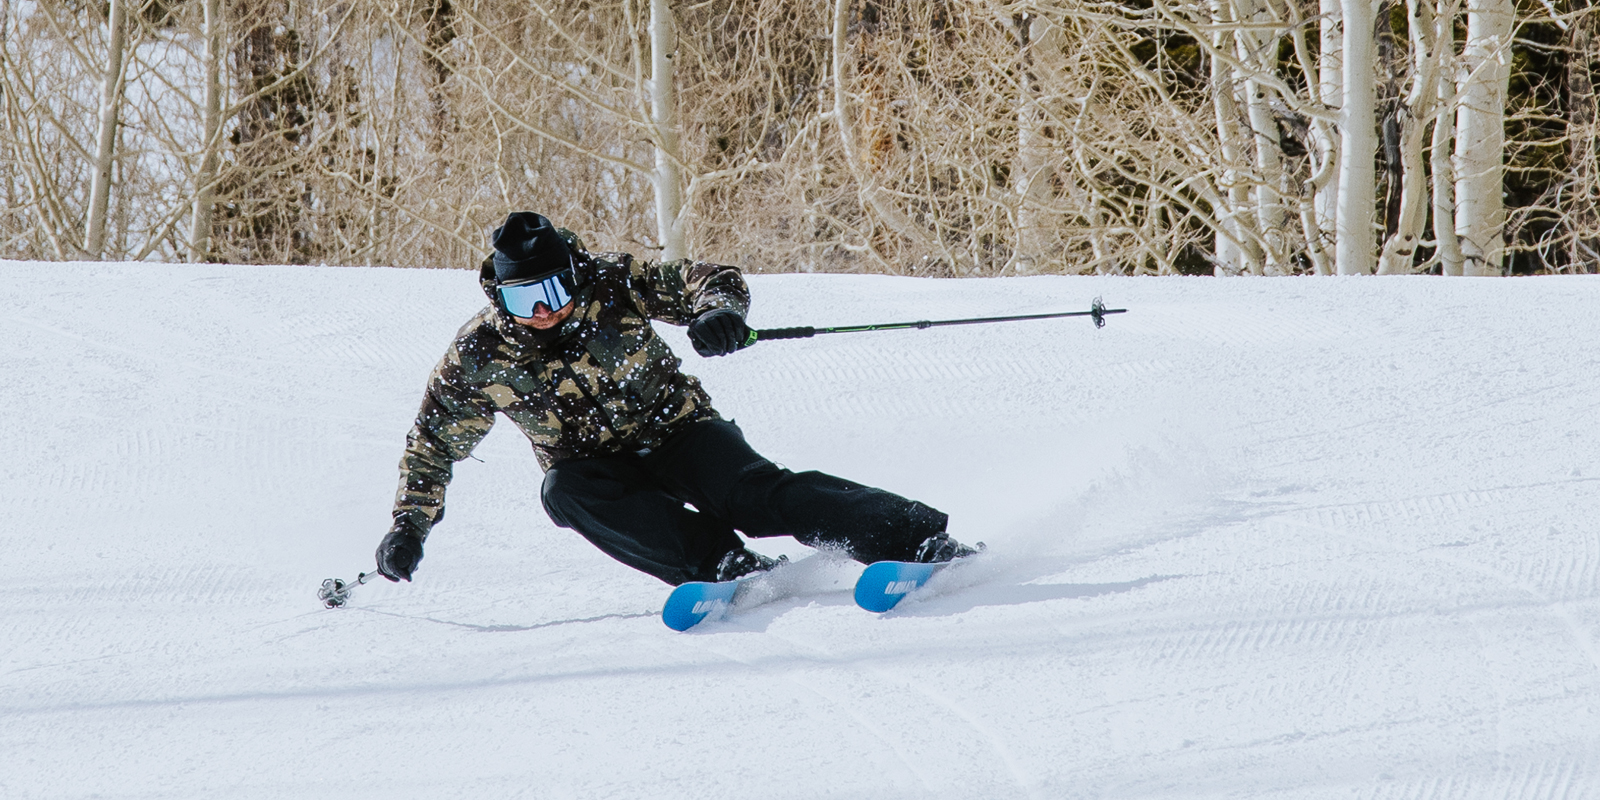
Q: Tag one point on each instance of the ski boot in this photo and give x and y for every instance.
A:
(744, 561)
(939, 548)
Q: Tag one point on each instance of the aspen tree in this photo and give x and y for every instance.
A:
(1258, 50)
(1414, 114)
(1441, 159)
(1354, 253)
(1036, 155)
(200, 218)
(1583, 190)
(1480, 136)
(1330, 92)
(1237, 248)
(1317, 138)
(870, 191)
(668, 176)
(111, 90)
(925, 137)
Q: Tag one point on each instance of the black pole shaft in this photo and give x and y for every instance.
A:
(1098, 311)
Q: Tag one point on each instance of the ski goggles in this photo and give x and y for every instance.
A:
(554, 291)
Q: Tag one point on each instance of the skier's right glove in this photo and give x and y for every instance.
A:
(718, 332)
(398, 555)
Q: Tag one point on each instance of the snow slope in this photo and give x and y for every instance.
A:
(1256, 538)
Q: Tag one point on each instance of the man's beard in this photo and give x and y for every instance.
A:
(537, 337)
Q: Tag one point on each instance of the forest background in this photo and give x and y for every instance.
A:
(913, 137)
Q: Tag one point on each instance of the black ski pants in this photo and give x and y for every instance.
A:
(632, 506)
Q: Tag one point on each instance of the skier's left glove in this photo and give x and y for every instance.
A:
(398, 555)
(718, 332)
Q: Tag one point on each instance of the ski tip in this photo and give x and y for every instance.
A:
(681, 622)
(876, 601)
(884, 584)
(694, 603)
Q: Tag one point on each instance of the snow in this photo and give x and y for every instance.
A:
(1256, 538)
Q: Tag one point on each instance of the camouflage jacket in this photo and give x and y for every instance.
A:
(604, 384)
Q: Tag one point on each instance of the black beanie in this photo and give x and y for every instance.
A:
(528, 247)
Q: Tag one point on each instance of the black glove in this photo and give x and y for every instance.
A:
(398, 555)
(719, 332)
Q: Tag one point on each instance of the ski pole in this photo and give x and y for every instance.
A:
(335, 592)
(1097, 310)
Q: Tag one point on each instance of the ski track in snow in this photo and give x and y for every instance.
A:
(1256, 538)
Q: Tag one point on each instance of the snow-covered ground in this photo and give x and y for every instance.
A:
(1256, 538)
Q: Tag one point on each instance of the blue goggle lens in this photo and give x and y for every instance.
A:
(554, 291)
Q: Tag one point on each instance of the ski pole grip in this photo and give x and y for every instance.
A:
(785, 333)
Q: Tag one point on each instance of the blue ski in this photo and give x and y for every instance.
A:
(693, 603)
(699, 601)
(886, 583)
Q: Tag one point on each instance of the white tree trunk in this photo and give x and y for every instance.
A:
(200, 217)
(1444, 132)
(1481, 136)
(1035, 155)
(1444, 190)
(1330, 90)
(1259, 50)
(668, 175)
(1420, 101)
(1271, 217)
(1358, 142)
(1238, 250)
(1401, 248)
(94, 240)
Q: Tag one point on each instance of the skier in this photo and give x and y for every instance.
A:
(566, 351)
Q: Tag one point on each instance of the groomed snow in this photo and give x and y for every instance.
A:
(1256, 538)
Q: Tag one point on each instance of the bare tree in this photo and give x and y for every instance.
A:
(1480, 136)
(213, 95)
(1413, 116)
(1256, 41)
(1575, 199)
(111, 88)
(1451, 259)
(1330, 94)
(1357, 143)
(667, 179)
(920, 137)
(1043, 43)
(1581, 194)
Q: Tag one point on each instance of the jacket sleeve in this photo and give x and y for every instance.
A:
(679, 291)
(454, 417)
